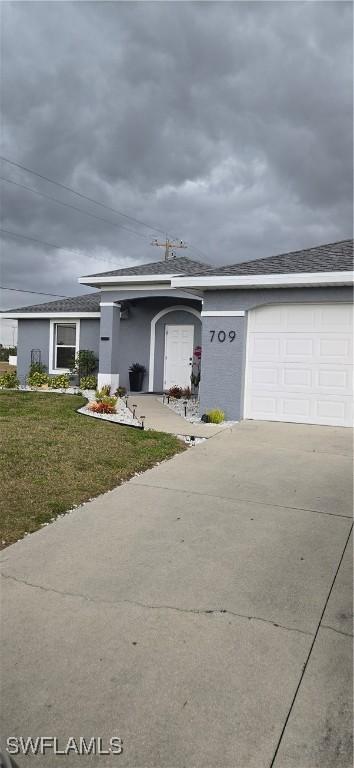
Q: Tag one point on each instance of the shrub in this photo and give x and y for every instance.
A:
(186, 393)
(9, 380)
(121, 391)
(103, 392)
(37, 379)
(106, 405)
(62, 381)
(175, 392)
(85, 363)
(216, 416)
(88, 382)
(37, 368)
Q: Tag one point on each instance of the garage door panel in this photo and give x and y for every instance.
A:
(297, 346)
(265, 376)
(335, 317)
(339, 380)
(297, 321)
(265, 348)
(297, 377)
(300, 373)
(335, 349)
(330, 408)
(272, 319)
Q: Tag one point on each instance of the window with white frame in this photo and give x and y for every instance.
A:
(64, 344)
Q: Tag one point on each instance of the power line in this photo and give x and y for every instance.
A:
(37, 293)
(96, 202)
(74, 207)
(80, 194)
(36, 240)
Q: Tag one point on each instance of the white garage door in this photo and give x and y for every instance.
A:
(300, 364)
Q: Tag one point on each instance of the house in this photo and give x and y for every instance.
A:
(276, 333)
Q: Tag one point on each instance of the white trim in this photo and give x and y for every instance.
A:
(156, 287)
(52, 324)
(175, 308)
(138, 287)
(99, 279)
(46, 315)
(242, 281)
(109, 304)
(224, 313)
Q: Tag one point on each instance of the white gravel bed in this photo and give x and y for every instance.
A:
(178, 405)
(123, 415)
(88, 393)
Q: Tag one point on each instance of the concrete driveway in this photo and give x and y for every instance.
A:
(201, 612)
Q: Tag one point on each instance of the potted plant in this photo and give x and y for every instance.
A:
(136, 377)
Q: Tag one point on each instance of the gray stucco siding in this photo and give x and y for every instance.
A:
(134, 345)
(223, 364)
(249, 298)
(34, 334)
(129, 339)
(90, 334)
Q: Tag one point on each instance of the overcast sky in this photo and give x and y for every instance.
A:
(228, 125)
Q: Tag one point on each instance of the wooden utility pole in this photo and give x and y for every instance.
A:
(168, 245)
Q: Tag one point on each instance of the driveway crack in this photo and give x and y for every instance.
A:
(339, 631)
(158, 607)
(190, 492)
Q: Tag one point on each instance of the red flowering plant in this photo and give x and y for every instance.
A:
(104, 405)
(195, 375)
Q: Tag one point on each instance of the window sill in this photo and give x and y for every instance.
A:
(59, 371)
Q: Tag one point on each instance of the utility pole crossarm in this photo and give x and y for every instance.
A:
(168, 245)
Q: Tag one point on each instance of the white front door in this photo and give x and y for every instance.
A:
(178, 355)
(300, 364)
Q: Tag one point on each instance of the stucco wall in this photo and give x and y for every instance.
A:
(131, 343)
(135, 336)
(223, 364)
(34, 334)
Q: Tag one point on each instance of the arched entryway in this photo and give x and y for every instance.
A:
(162, 347)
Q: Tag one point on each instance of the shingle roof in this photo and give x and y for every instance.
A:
(89, 302)
(181, 265)
(333, 257)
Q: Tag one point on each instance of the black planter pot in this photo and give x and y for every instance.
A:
(136, 379)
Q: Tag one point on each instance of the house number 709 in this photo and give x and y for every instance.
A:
(222, 336)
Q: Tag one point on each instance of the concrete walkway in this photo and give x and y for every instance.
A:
(201, 611)
(164, 419)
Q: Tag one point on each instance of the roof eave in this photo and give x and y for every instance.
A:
(265, 281)
(119, 280)
(47, 315)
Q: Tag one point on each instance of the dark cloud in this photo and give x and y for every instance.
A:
(226, 124)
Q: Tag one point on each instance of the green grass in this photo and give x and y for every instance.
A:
(51, 458)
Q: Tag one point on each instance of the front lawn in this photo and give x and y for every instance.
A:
(51, 458)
